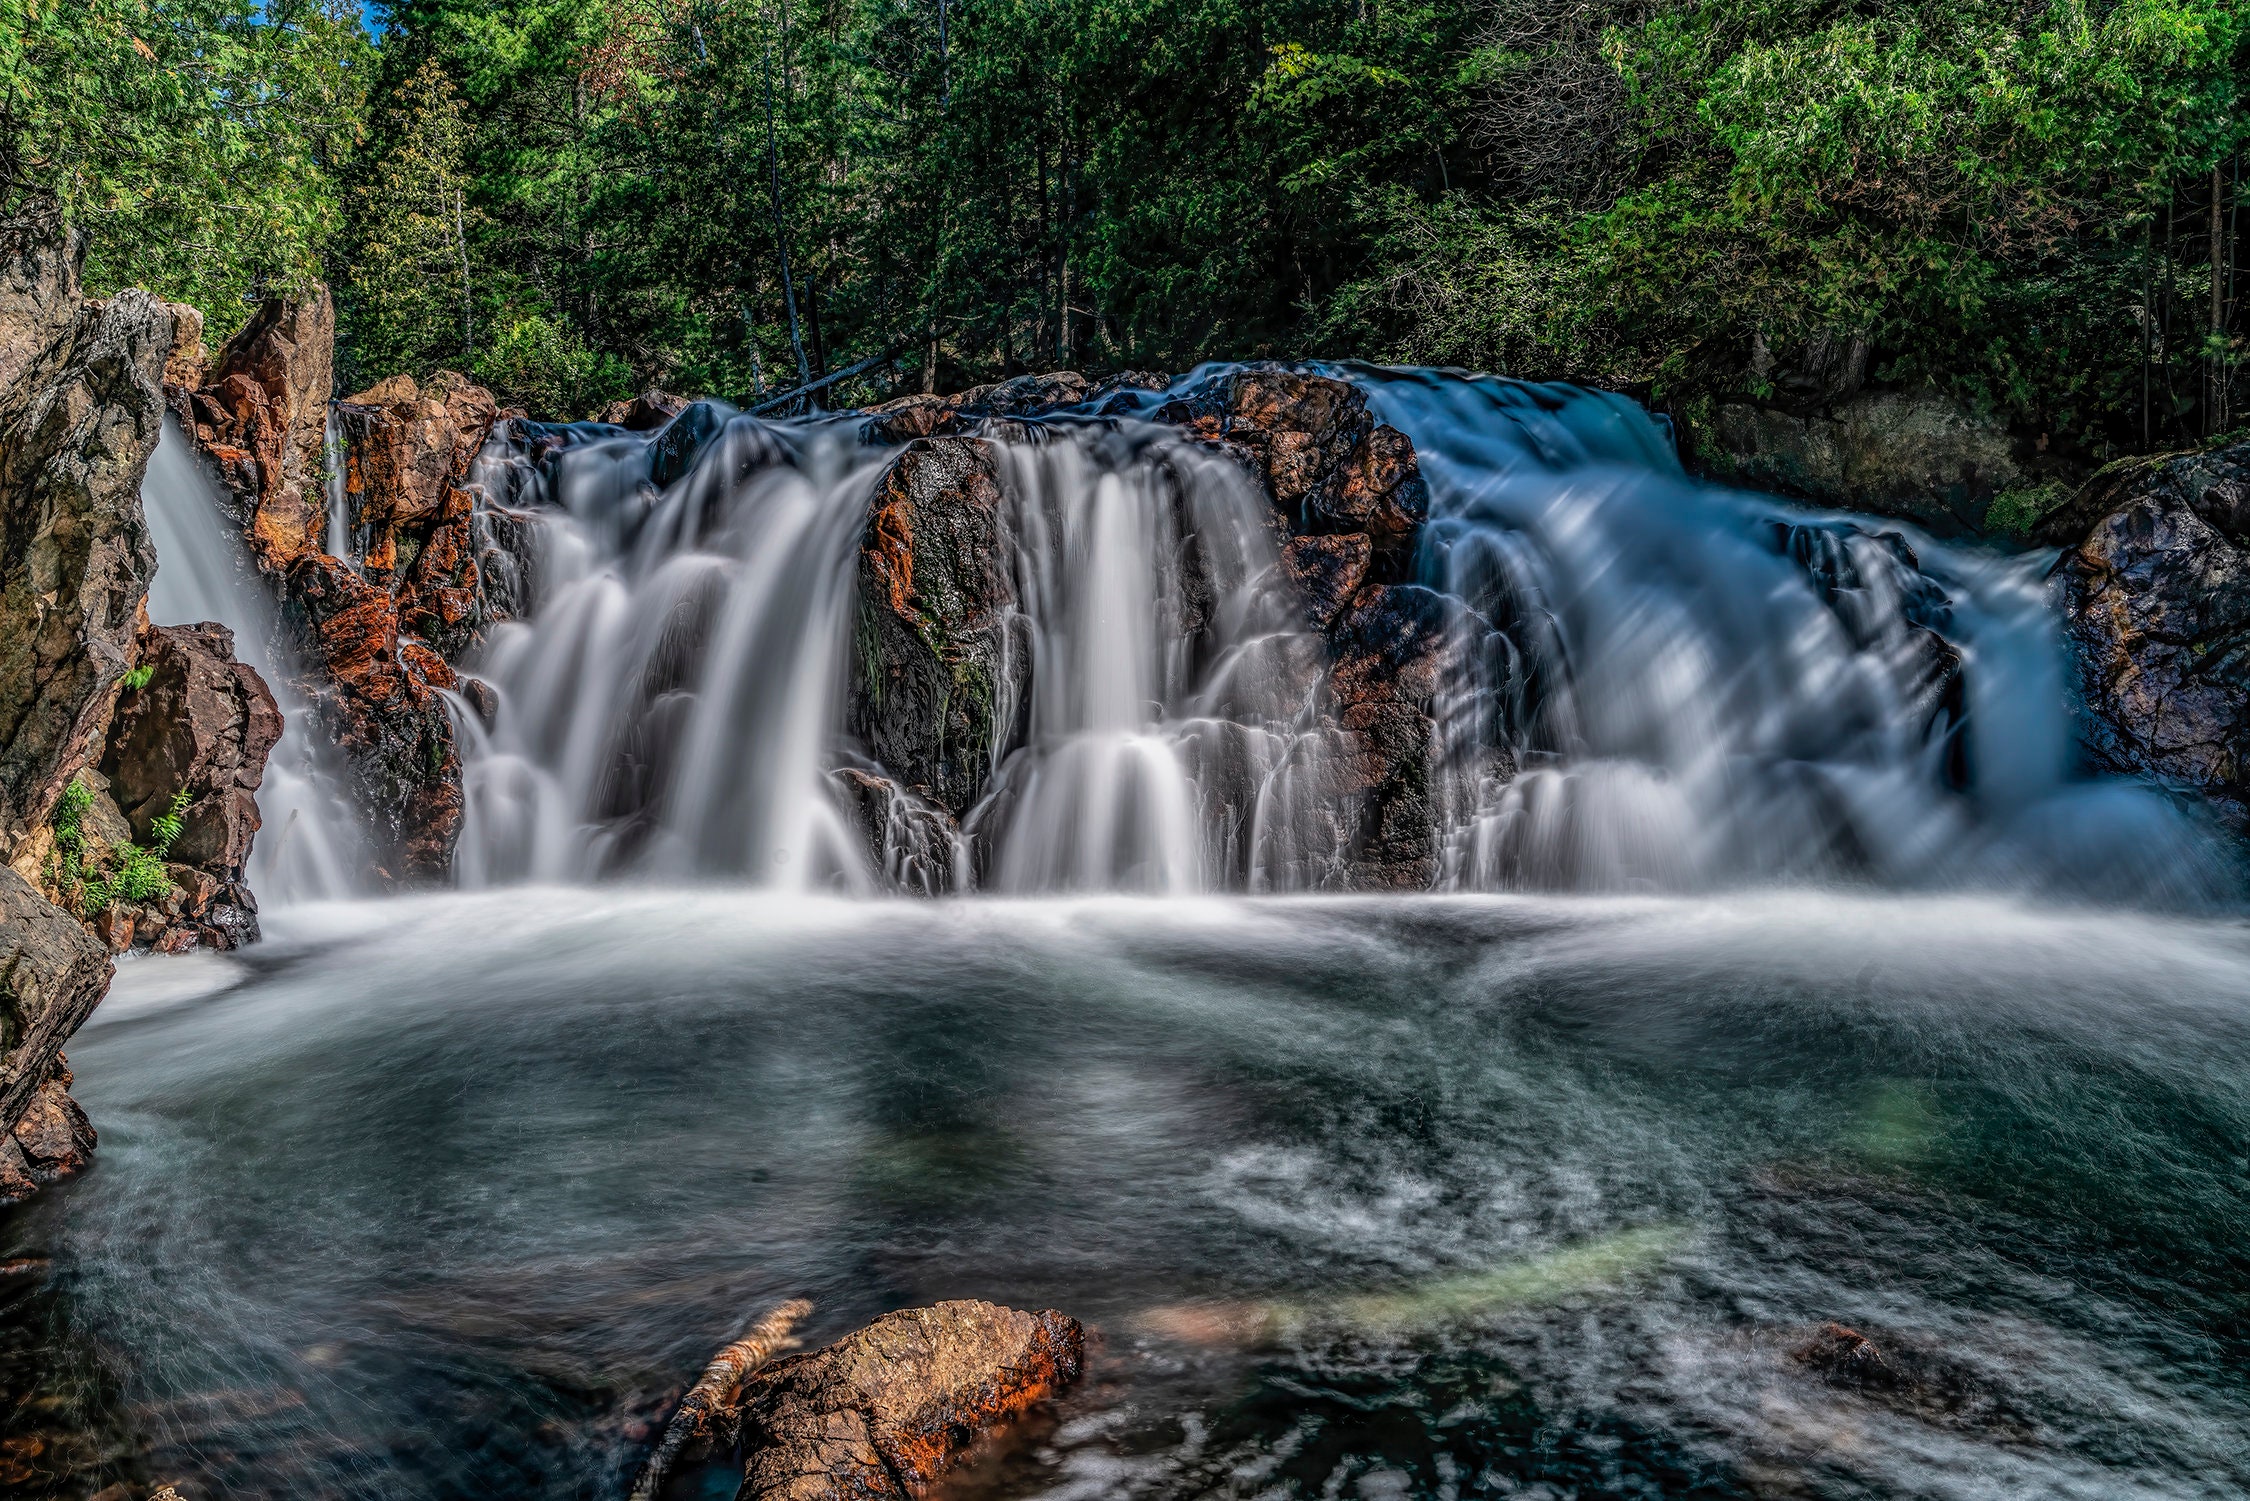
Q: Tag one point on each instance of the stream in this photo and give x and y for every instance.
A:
(1441, 1196)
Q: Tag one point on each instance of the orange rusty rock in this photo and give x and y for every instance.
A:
(885, 1412)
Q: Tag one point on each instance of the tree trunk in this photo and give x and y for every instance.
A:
(2215, 414)
(1062, 261)
(1039, 331)
(708, 1412)
(461, 240)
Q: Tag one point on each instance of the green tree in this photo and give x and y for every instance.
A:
(408, 292)
(195, 141)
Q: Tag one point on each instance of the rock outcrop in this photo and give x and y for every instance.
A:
(262, 420)
(200, 727)
(1392, 653)
(373, 640)
(1913, 454)
(933, 670)
(408, 452)
(1330, 469)
(379, 696)
(886, 1412)
(77, 426)
(2157, 610)
(52, 972)
(938, 683)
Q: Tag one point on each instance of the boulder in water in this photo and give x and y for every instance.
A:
(2157, 604)
(52, 973)
(928, 416)
(201, 724)
(886, 1412)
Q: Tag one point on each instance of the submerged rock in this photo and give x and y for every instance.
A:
(886, 1412)
(2157, 613)
(1909, 1379)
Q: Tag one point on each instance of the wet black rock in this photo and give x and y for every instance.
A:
(933, 674)
(2157, 608)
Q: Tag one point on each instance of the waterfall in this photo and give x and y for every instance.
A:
(309, 845)
(1652, 683)
(1705, 687)
(1167, 753)
(339, 543)
(670, 706)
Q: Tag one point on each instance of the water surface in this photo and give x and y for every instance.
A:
(1440, 1197)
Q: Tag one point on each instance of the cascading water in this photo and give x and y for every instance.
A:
(673, 705)
(309, 844)
(670, 706)
(1655, 684)
(1173, 746)
(1704, 687)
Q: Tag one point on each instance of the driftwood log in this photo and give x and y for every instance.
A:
(710, 1412)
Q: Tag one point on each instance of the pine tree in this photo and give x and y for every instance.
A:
(411, 299)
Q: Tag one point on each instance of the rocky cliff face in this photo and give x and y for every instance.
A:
(80, 413)
(2157, 609)
(262, 419)
(51, 976)
(373, 638)
(76, 428)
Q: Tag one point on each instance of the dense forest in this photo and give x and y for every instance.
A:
(2033, 203)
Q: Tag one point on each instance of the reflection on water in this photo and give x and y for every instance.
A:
(1439, 1197)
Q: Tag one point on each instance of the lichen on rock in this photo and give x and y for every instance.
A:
(886, 1412)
